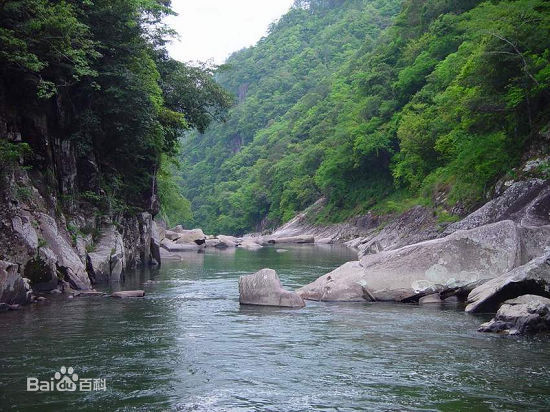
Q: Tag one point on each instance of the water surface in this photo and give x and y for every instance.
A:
(188, 345)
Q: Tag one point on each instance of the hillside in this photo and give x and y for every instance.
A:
(373, 105)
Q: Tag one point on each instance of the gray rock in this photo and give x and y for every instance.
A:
(106, 262)
(524, 202)
(416, 225)
(527, 314)
(342, 284)
(170, 235)
(408, 273)
(531, 278)
(226, 241)
(293, 239)
(196, 236)
(250, 245)
(13, 288)
(128, 294)
(264, 288)
(61, 256)
(170, 246)
(430, 299)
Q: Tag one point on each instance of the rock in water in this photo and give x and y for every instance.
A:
(264, 288)
(527, 314)
(13, 288)
(129, 294)
(433, 266)
(105, 263)
(531, 278)
(342, 284)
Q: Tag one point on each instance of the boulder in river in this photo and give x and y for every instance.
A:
(196, 236)
(249, 244)
(106, 261)
(13, 288)
(226, 242)
(527, 314)
(342, 284)
(265, 289)
(531, 278)
(408, 273)
(171, 246)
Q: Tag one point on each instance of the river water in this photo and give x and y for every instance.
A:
(188, 345)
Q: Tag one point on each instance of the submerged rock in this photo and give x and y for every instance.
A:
(531, 278)
(129, 294)
(264, 288)
(527, 314)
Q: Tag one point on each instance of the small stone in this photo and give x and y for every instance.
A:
(129, 294)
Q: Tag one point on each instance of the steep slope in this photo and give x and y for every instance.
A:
(374, 104)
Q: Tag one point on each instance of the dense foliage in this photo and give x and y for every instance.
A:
(371, 101)
(98, 71)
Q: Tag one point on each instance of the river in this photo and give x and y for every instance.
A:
(188, 345)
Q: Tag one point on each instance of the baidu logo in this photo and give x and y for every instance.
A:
(66, 381)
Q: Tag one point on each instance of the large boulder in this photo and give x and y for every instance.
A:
(13, 288)
(226, 241)
(531, 278)
(527, 314)
(264, 288)
(170, 246)
(196, 236)
(408, 273)
(106, 261)
(250, 244)
(342, 284)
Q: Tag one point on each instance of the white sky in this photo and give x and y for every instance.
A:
(213, 29)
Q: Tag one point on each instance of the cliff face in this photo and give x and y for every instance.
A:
(53, 232)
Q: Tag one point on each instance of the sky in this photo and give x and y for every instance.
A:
(213, 29)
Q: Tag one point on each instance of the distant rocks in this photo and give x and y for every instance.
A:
(527, 314)
(264, 288)
(292, 239)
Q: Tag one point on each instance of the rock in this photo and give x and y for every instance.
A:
(106, 262)
(250, 245)
(155, 244)
(429, 299)
(531, 278)
(264, 288)
(527, 314)
(40, 298)
(88, 293)
(415, 225)
(293, 239)
(281, 250)
(129, 294)
(408, 273)
(170, 235)
(170, 246)
(524, 202)
(15, 306)
(55, 292)
(13, 288)
(342, 284)
(226, 241)
(324, 241)
(189, 236)
(60, 256)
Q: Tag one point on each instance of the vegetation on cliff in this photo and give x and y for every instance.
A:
(372, 103)
(93, 79)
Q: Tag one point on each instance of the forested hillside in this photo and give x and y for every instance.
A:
(372, 104)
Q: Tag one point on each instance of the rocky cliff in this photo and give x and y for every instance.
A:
(54, 231)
